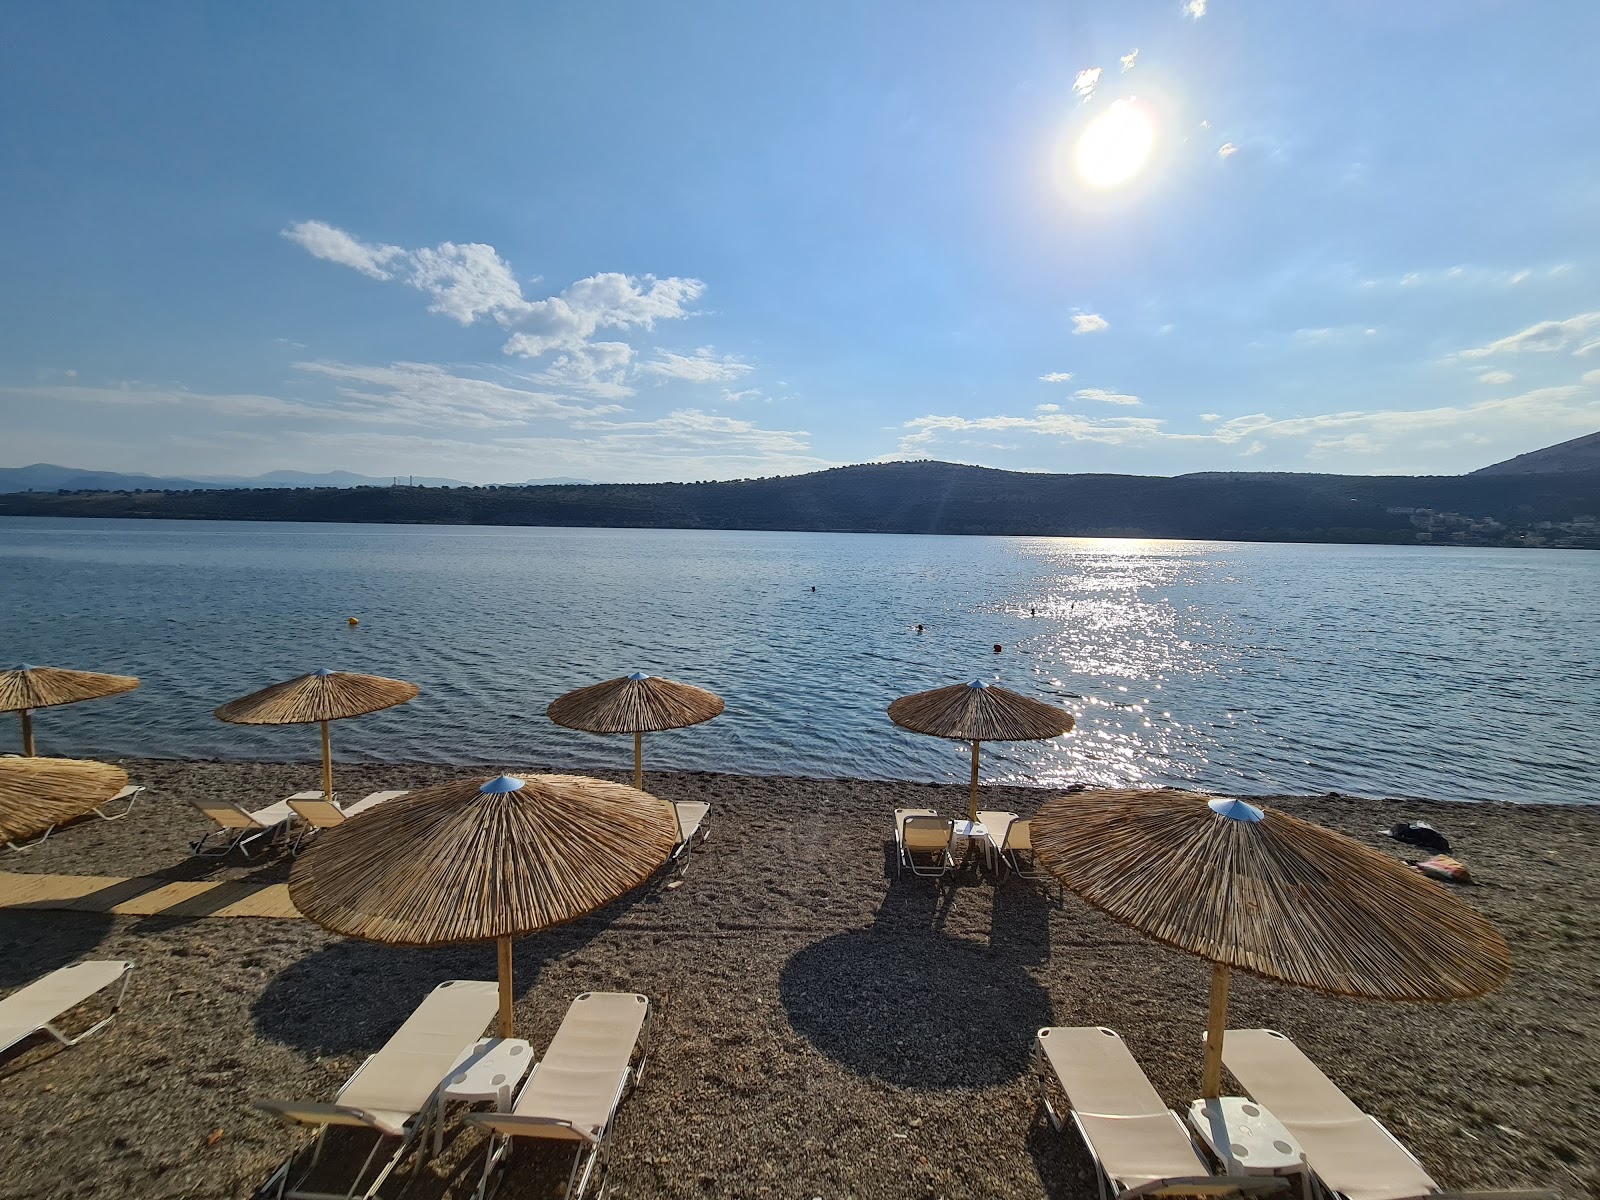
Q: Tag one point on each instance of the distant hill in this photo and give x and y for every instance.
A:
(1580, 454)
(47, 477)
(934, 497)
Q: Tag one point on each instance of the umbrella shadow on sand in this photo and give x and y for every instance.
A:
(352, 995)
(906, 1003)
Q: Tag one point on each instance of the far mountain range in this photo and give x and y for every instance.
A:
(47, 477)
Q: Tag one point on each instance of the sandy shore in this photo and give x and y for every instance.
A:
(823, 1030)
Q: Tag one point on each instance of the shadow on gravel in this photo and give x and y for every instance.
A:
(352, 995)
(34, 942)
(1061, 1160)
(914, 1007)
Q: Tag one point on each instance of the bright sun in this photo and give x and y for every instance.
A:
(1116, 145)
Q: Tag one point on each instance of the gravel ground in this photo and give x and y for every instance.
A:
(822, 1029)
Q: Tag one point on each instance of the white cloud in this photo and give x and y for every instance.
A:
(1088, 79)
(1056, 377)
(1465, 275)
(1210, 417)
(594, 368)
(1105, 397)
(470, 280)
(1591, 376)
(1496, 377)
(1129, 60)
(703, 366)
(426, 394)
(1580, 334)
(1194, 9)
(1227, 150)
(1047, 408)
(1089, 323)
(732, 397)
(335, 245)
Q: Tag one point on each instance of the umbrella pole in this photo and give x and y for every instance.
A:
(327, 765)
(1211, 1077)
(974, 814)
(504, 945)
(638, 760)
(27, 733)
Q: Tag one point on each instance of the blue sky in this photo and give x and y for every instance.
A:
(644, 242)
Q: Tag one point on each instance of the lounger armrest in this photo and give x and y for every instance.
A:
(513, 1125)
(1212, 1185)
(307, 1112)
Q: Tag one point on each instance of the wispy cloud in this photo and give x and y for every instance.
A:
(1579, 334)
(1130, 60)
(468, 281)
(1089, 323)
(1102, 396)
(1047, 408)
(1088, 79)
(1496, 377)
(1466, 275)
(1227, 150)
(703, 366)
(335, 245)
(1194, 9)
(1056, 377)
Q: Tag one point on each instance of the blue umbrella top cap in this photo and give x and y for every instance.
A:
(638, 677)
(501, 784)
(324, 671)
(978, 684)
(1235, 810)
(24, 666)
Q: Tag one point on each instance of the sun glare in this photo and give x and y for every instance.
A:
(1116, 145)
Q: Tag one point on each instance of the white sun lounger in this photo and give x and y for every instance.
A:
(125, 797)
(239, 828)
(36, 1007)
(922, 831)
(1138, 1144)
(1349, 1151)
(315, 814)
(393, 1092)
(573, 1093)
(691, 816)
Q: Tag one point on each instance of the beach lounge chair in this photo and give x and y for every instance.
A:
(393, 1092)
(241, 829)
(921, 831)
(573, 1093)
(1350, 1152)
(36, 1007)
(325, 814)
(1139, 1145)
(1011, 843)
(125, 797)
(691, 821)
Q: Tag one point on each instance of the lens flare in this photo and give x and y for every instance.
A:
(1116, 145)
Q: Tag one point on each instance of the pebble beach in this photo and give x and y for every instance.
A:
(822, 1028)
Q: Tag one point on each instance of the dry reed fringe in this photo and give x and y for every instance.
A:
(45, 687)
(1281, 898)
(970, 714)
(626, 705)
(313, 697)
(452, 864)
(37, 794)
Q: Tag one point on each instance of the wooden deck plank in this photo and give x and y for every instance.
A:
(145, 896)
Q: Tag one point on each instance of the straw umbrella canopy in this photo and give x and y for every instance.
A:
(1256, 890)
(636, 704)
(27, 688)
(37, 794)
(482, 860)
(979, 712)
(319, 697)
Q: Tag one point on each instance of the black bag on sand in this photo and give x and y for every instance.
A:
(1420, 833)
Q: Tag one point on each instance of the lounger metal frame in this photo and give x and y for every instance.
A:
(1193, 1185)
(351, 1117)
(49, 1027)
(242, 837)
(500, 1144)
(906, 860)
(130, 794)
(681, 850)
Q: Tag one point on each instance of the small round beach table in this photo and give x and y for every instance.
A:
(1249, 1140)
(490, 1072)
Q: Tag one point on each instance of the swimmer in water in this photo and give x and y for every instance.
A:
(997, 647)
(919, 628)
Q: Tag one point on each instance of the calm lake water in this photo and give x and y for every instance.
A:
(1385, 671)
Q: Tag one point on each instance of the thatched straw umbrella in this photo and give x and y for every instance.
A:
(27, 688)
(979, 712)
(1256, 890)
(636, 704)
(321, 696)
(37, 794)
(483, 859)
